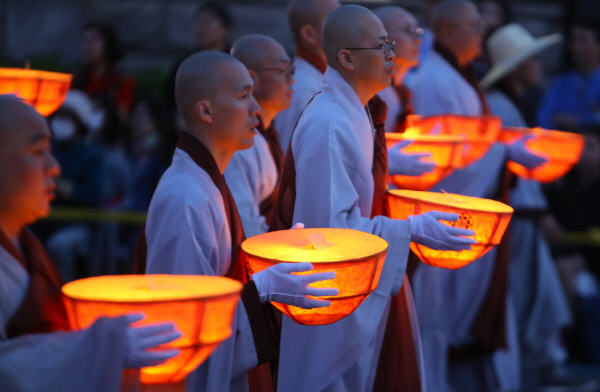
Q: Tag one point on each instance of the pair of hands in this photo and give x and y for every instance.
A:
(407, 164)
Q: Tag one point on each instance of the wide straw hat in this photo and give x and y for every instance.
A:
(509, 46)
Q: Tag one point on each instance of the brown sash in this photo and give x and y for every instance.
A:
(259, 378)
(406, 107)
(267, 206)
(311, 58)
(42, 309)
(397, 367)
(468, 73)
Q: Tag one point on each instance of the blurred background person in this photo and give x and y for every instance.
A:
(100, 77)
(573, 98)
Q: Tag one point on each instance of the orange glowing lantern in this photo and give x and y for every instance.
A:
(356, 257)
(44, 90)
(201, 307)
(481, 131)
(488, 218)
(562, 149)
(446, 153)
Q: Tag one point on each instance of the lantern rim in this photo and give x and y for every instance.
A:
(463, 202)
(35, 73)
(123, 289)
(427, 138)
(293, 237)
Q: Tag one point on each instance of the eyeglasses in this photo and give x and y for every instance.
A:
(387, 47)
(288, 71)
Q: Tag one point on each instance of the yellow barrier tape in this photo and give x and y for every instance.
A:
(590, 237)
(96, 215)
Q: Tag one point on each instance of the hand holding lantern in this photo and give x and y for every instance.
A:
(518, 153)
(277, 283)
(426, 229)
(407, 164)
(140, 339)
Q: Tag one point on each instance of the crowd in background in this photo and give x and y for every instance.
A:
(113, 148)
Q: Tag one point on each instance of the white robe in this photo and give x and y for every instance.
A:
(446, 313)
(438, 88)
(252, 177)
(333, 155)
(540, 303)
(308, 82)
(187, 233)
(81, 361)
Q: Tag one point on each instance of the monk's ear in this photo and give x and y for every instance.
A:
(204, 111)
(309, 34)
(345, 59)
(253, 75)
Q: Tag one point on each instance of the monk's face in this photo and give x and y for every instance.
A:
(466, 33)
(274, 80)
(234, 109)
(404, 30)
(373, 66)
(27, 168)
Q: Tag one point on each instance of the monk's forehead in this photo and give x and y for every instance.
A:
(20, 123)
(233, 77)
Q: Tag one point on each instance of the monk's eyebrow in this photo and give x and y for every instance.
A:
(38, 137)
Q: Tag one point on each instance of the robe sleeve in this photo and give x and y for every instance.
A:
(243, 176)
(90, 360)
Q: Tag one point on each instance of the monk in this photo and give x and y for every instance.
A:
(193, 225)
(335, 175)
(37, 350)
(253, 174)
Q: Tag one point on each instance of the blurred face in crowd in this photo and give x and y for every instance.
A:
(530, 72)
(274, 80)
(404, 30)
(27, 167)
(492, 14)
(92, 47)
(234, 111)
(209, 32)
(585, 48)
(145, 133)
(464, 34)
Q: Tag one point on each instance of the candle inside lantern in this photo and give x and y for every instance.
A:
(201, 307)
(446, 152)
(44, 90)
(481, 131)
(488, 218)
(356, 257)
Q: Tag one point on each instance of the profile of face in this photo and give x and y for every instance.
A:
(233, 110)
(92, 46)
(584, 47)
(208, 31)
(274, 80)
(371, 58)
(466, 33)
(404, 30)
(27, 168)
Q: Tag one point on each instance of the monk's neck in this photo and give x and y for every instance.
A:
(11, 228)
(267, 115)
(222, 156)
(399, 73)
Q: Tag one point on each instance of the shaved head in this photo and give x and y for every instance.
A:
(15, 114)
(449, 11)
(346, 27)
(255, 50)
(391, 15)
(308, 12)
(200, 76)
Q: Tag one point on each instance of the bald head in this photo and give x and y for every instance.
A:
(255, 50)
(448, 12)
(15, 115)
(200, 76)
(306, 20)
(346, 27)
(392, 15)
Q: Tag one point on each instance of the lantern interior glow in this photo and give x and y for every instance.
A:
(481, 131)
(44, 90)
(446, 153)
(355, 256)
(488, 218)
(562, 149)
(201, 307)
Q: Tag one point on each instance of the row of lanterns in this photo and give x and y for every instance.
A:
(203, 307)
